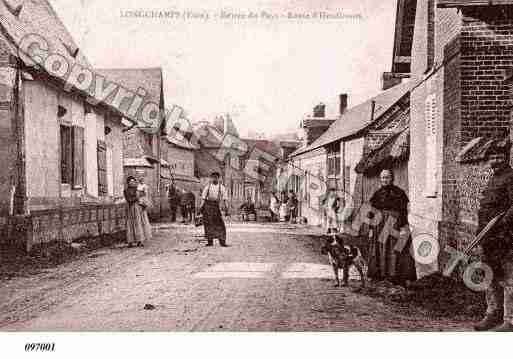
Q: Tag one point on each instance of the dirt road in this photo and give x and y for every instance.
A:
(271, 278)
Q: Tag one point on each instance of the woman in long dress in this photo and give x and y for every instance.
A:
(213, 197)
(145, 202)
(135, 232)
(390, 258)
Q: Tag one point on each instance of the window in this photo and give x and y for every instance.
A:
(78, 157)
(347, 179)
(66, 155)
(430, 188)
(72, 155)
(431, 35)
(102, 168)
(334, 164)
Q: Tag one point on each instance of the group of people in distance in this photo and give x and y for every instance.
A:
(286, 209)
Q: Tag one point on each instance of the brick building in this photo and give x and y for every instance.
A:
(61, 146)
(460, 52)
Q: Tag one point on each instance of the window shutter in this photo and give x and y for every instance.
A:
(78, 156)
(430, 189)
(347, 179)
(102, 168)
(66, 154)
(431, 35)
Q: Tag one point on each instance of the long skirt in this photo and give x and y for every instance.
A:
(146, 223)
(138, 227)
(390, 256)
(213, 221)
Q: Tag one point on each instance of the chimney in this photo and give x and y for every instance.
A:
(343, 103)
(388, 80)
(319, 110)
(314, 127)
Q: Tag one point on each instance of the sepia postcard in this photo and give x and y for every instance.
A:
(306, 167)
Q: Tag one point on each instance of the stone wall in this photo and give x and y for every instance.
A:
(43, 230)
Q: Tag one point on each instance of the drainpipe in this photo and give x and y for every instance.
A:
(344, 174)
(159, 136)
(373, 109)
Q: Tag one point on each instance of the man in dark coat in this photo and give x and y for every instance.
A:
(497, 198)
(188, 205)
(292, 203)
(173, 197)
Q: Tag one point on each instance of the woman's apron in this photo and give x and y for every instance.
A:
(384, 261)
(212, 219)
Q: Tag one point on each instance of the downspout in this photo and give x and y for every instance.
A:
(344, 174)
(20, 200)
(159, 171)
(373, 109)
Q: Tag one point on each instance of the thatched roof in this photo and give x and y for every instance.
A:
(394, 150)
(21, 19)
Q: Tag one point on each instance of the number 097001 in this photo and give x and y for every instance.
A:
(40, 347)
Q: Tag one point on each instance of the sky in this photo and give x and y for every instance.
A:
(267, 73)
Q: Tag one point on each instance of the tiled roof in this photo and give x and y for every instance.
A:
(394, 150)
(149, 79)
(38, 17)
(182, 142)
(208, 135)
(41, 16)
(358, 118)
(266, 146)
(206, 163)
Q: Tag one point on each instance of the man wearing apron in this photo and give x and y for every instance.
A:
(213, 197)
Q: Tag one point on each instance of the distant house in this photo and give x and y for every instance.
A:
(61, 148)
(259, 187)
(145, 153)
(217, 153)
(181, 156)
